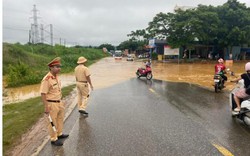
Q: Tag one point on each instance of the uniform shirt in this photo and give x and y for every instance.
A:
(81, 72)
(246, 78)
(51, 86)
(219, 68)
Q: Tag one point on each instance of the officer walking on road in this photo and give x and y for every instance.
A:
(51, 97)
(82, 75)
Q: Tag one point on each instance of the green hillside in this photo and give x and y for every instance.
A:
(27, 64)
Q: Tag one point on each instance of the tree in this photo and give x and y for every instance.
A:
(159, 27)
(234, 28)
(200, 24)
(108, 46)
(132, 45)
(138, 40)
(139, 35)
(180, 30)
(223, 26)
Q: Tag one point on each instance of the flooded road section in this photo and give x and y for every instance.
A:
(108, 71)
(195, 73)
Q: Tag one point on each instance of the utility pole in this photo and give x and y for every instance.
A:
(42, 34)
(35, 25)
(29, 36)
(32, 34)
(51, 34)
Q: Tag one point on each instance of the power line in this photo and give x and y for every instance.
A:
(43, 32)
(12, 28)
(14, 10)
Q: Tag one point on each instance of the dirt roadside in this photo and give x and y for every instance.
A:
(37, 136)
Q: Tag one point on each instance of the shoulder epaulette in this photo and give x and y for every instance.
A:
(48, 77)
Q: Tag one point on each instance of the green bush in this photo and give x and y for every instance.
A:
(20, 74)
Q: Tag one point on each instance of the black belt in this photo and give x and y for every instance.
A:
(83, 81)
(57, 101)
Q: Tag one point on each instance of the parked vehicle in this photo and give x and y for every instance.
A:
(144, 72)
(244, 113)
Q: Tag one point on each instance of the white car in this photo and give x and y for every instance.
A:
(130, 58)
(118, 55)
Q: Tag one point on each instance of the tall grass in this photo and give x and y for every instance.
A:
(26, 64)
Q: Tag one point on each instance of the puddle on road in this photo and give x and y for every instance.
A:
(108, 72)
(18, 94)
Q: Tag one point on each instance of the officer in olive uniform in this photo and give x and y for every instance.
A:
(82, 75)
(51, 97)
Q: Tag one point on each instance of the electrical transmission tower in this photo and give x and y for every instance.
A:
(34, 27)
(36, 36)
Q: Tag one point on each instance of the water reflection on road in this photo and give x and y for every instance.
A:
(108, 71)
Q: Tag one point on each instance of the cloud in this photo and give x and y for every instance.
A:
(87, 22)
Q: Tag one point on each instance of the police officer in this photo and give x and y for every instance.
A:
(82, 75)
(51, 97)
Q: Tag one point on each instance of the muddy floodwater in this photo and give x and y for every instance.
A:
(109, 71)
(196, 73)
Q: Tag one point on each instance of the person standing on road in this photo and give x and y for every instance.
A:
(82, 75)
(51, 97)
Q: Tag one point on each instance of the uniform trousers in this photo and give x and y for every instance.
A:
(57, 116)
(82, 94)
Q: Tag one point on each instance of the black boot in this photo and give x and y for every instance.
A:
(83, 112)
(56, 143)
(63, 136)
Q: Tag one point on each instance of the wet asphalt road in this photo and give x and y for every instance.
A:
(140, 117)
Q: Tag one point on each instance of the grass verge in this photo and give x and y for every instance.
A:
(18, 118)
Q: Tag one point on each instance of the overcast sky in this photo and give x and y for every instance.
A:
(87, 22)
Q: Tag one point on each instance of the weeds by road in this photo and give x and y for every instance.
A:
(18, 118)
(26, 64)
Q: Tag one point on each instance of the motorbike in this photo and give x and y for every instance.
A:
(244, 113)
(218, 82)
(141, 72)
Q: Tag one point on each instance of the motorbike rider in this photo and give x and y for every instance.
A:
(241, 94)
(148, 63)
(220, 69)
